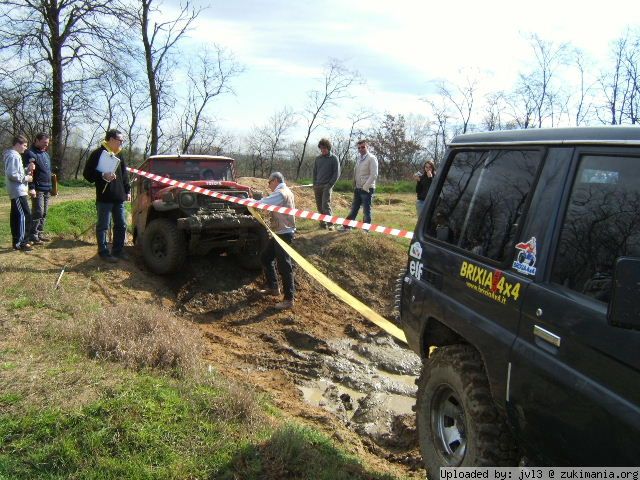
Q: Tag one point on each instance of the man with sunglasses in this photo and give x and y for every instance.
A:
(365, 175)
(112, 190)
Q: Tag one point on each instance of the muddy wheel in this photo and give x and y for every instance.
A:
(163, 246)
(458, 423)
(249, 254)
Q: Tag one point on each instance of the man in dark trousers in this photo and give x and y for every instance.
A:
(284, 227)
(326, 171)
(112, 189)
(17, 180)
(40, 187)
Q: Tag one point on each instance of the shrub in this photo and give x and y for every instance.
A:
(141, 338)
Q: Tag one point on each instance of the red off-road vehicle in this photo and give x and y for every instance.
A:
(170, 223)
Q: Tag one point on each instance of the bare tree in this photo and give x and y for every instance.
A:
(209, 78)
(632, 58)
(584, 100)
(336, 84)
(343, 141)
(159, 39)
(494, 107)
(60, 35)
(615, 84)
(439, 131)
(269, 140)
(462, 98)
(537, 88)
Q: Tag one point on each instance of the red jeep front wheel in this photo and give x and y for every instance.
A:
(163, 246)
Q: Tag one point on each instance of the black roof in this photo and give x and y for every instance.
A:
(616, 134)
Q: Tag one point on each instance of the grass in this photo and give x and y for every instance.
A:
(72, 217)
(346, 186)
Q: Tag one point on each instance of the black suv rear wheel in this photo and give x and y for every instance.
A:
(458, 423)
(163, 246)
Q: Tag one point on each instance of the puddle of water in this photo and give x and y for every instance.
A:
(314, 394)
(400, 403)
(409, 380)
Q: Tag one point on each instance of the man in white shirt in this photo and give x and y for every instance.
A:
(365, 175)
(284, 226)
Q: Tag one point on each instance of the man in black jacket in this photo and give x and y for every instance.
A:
(40, 187)
(110, 176)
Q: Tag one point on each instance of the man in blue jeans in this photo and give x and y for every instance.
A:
(365, 174)
(37, 160)
(109, 173)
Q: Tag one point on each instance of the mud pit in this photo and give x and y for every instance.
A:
(321, 362)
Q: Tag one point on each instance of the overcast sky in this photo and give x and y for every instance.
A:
(402, 47)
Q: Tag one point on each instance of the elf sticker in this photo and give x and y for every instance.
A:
(526, 260)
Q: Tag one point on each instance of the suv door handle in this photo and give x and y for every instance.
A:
(546, 335)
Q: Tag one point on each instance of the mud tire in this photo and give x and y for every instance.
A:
(249, 255)
(454, 400)
(163, 246)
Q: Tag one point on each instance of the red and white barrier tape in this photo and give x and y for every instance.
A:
(372, 227)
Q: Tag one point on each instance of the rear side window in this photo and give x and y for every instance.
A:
(482, 199)
(602, 223)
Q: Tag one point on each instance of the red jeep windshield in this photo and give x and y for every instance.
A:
(190, 170)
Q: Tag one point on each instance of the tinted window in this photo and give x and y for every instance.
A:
(482, 200)
(602, 223)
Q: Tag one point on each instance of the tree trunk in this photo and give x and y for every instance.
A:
(57, 92)
(151, 78)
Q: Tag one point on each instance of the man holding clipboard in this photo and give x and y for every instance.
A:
(109, 174)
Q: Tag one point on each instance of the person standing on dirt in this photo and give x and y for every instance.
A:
(365, 175)
(17, 181)
(284, 226)
(326, 171)
(423, 183)
(40, 187)
(112, 190)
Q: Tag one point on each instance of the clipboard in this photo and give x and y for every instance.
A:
(107, 163)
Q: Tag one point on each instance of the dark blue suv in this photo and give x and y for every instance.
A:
(522, 294)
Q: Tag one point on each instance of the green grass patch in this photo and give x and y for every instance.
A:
(146, 428)
(402, 186)
(295, 452)
(153, 427)
(71, 218)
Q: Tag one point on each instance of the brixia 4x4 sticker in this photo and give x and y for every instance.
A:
(526, 259)
(489, 283)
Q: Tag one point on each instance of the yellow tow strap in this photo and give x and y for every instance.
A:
(346, 297)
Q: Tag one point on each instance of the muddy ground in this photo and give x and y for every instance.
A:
(321, 363)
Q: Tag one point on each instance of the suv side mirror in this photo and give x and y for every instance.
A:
(624, 309)
(146, 184)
